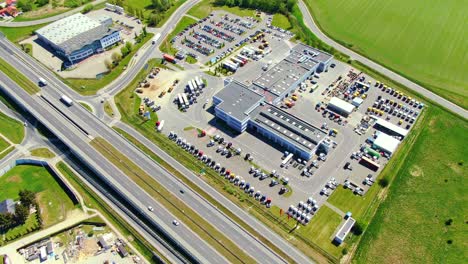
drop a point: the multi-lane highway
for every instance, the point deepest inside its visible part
(250, 244)
(79, 143)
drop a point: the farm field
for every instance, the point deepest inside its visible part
(52, 199)
(423, 217)
(426, 43)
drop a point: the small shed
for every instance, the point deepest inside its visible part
(357, 101)
(102, 242)
(122, 251)
(344, 230)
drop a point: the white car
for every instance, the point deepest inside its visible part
(150, 209)
(175, 222)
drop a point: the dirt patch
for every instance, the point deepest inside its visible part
(160, 83)
(458, 169)
(90, 247)
(14, 178)
(416, 171)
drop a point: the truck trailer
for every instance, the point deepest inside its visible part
(66, 100)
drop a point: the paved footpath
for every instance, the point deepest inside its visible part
(309, 21)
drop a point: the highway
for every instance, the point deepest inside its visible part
(79, 143)
(310, 23)
(55, 88)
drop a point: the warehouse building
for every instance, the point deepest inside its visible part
(340, 107)
(77, 37)
(244, 109)
(284, 78)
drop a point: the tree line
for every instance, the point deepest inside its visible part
(26, 202)
(269, 6)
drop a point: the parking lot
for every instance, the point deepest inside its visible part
(215, 37)
(351, 137)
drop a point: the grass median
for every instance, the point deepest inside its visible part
(189, 217)
(43, 153)
(19, 78)
(205, 195)
(92, 200)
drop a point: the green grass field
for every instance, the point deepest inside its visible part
(205, 7)
(428, 191)
(425, 42)
(91, 86)
(11, 128)
(87, 106)
(43, 153)
(53, 200)
(19, 33)
(145, 5)
(280, 20)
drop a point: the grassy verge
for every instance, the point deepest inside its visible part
(43, 153)
(198, 190)
(92, 200)
(19, 33)
(87, 106)
(205, 7)
(281, 21)
(11, 128)
(19, 78)
(166, 45)
(6, 152)
(190, 60)
(91, 86)
(3, 144)
(194, 221)
(108, 109)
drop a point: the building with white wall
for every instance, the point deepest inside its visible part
(77, 37)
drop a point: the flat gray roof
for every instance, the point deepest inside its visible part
(237, 99)
(280, 77)
(345, 228)
(313, 53)
(297, 131)
(74, 32)
(66, 28)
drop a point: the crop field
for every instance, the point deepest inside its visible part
(425, 42)
(423, 219)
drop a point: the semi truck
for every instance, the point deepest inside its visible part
(199, 82)
(66, 100)
(160, 126)
(287, 159)
(169, 58)
(186, 101)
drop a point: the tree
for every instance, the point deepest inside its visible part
(144, 31)
(108, 64)
(24, 5)
(21, 214)
(383, 182)
(42, 2)
(129, 46)
(124, 51)
(358, 228)
(153, 20)
(130, 10)
(55, 3)
(116, 57)
(87, 8)
(27, 198)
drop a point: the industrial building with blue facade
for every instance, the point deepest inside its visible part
(253, 107)
(77, 37)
